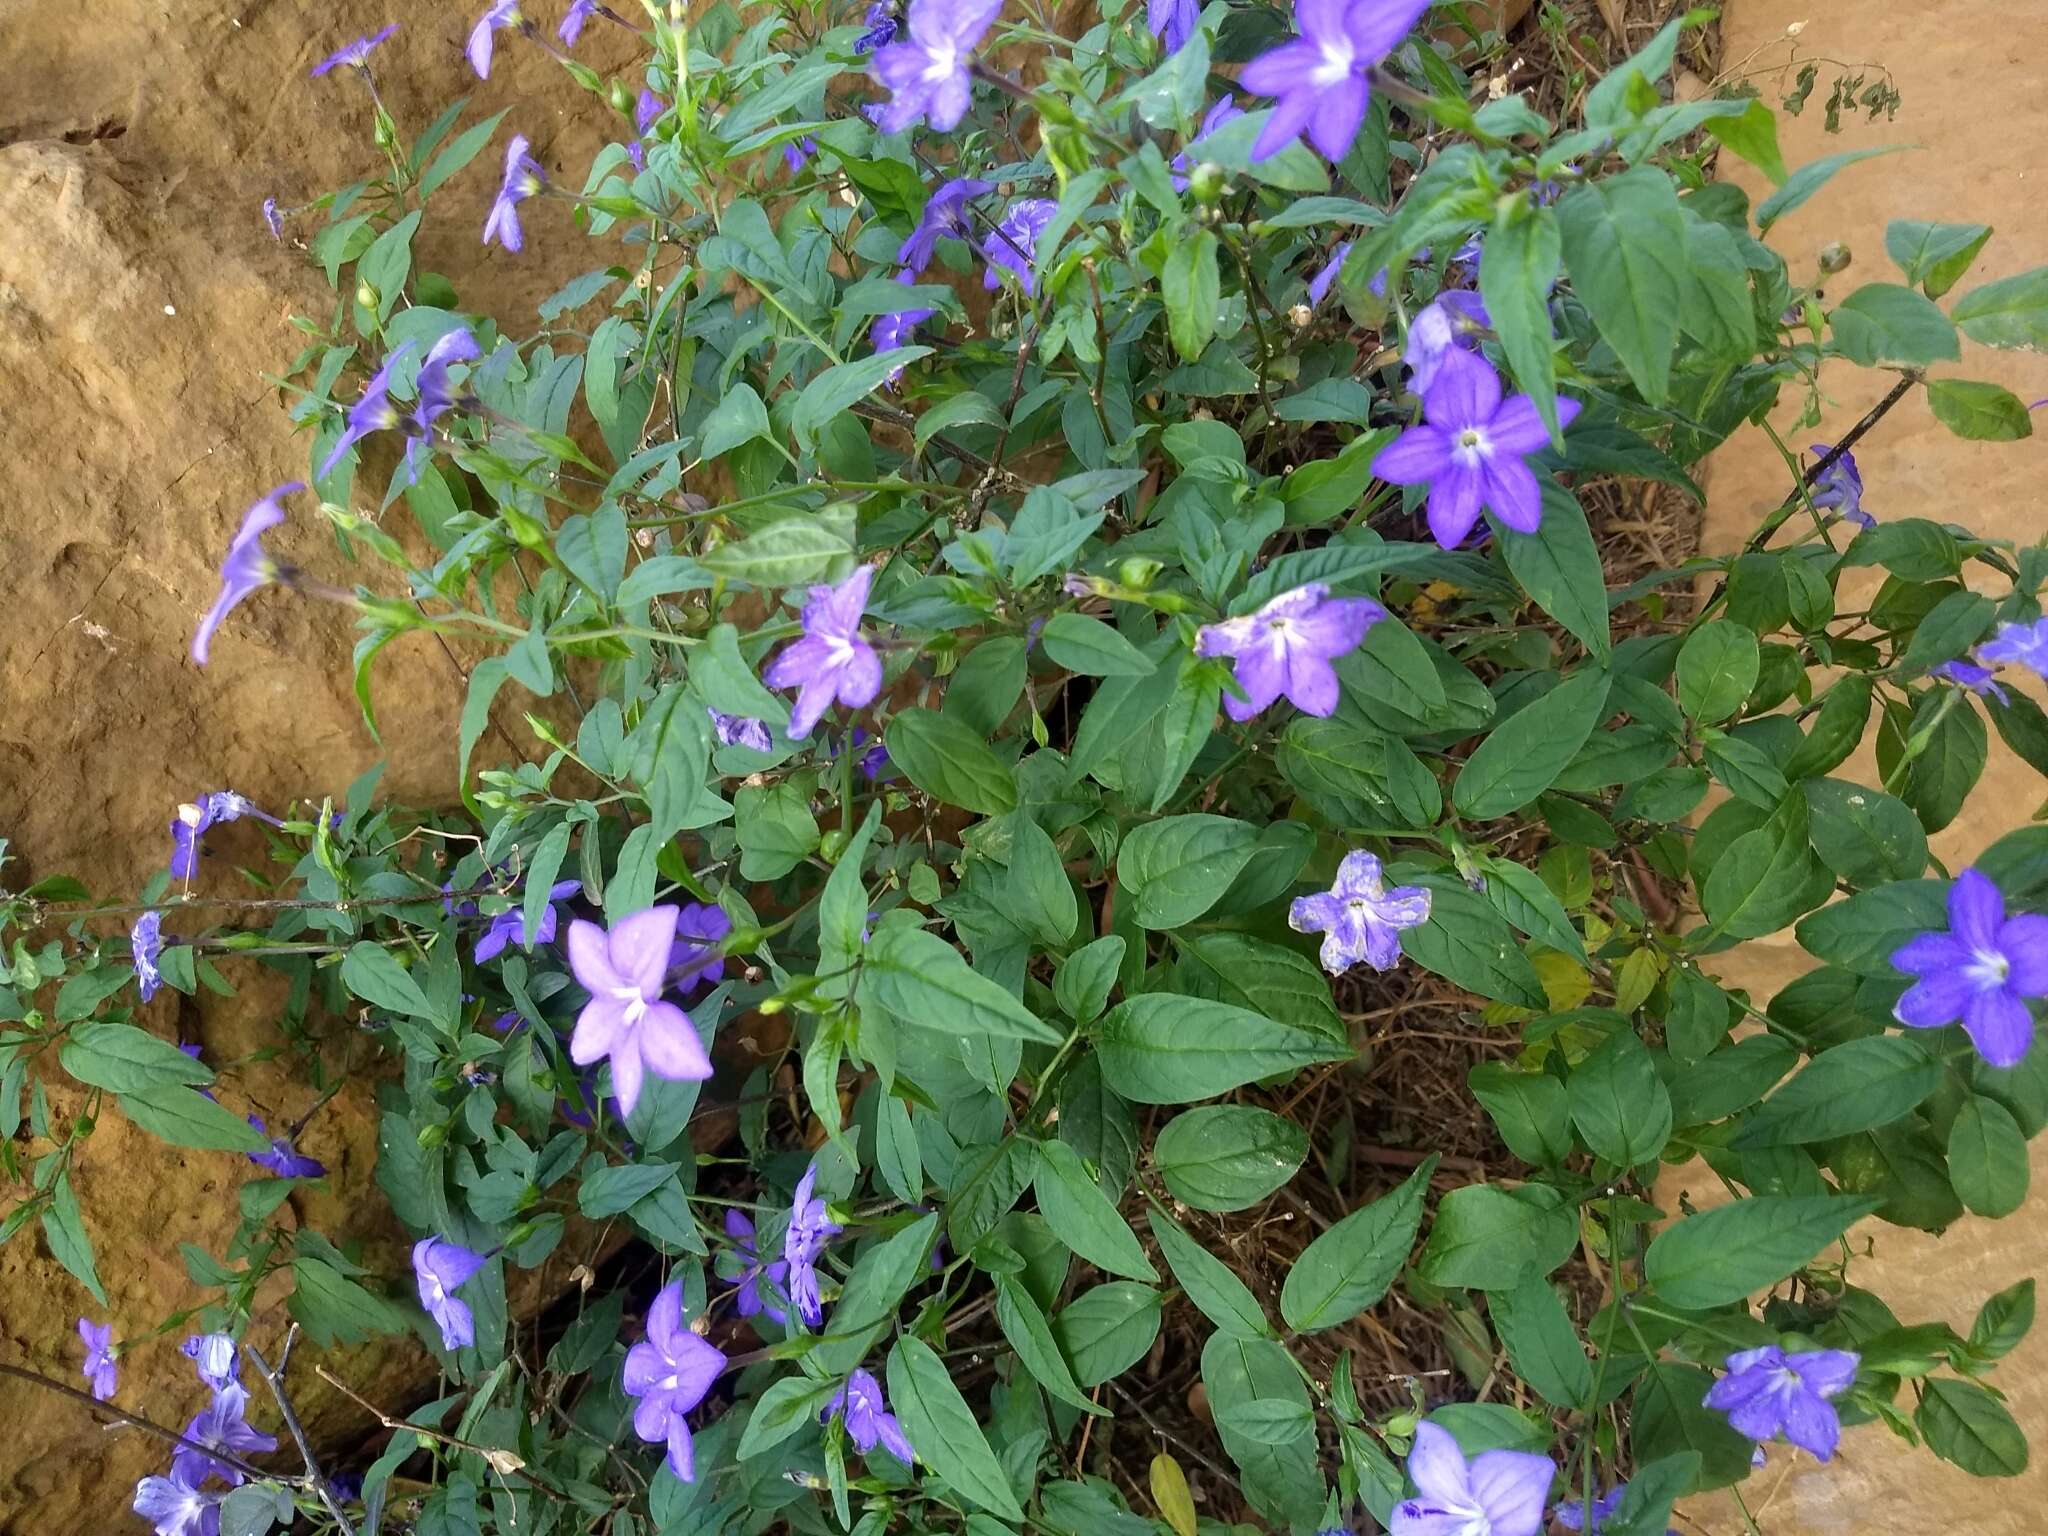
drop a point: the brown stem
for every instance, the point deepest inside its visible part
(315, 1478)
(118, 1416)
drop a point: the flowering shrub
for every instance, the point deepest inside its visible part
(994, 737)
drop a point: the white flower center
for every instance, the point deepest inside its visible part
(1335, 64)
(1470, 447)
(838, 650)
(944, 62)
(636, 1004)
(1988, 969)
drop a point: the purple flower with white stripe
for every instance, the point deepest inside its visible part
(1319, 80)
(573, 19)
(216, 1358)
(670, 1371)
(740, 731)
(898, 328)
(1359, 917)
(273, 220)
(1471, 449)
(2018, 645)
(1287, 647)
(222, 1426)
(869, 1423)
(833, 660)
(146, 947)
(1172, 21)
(1979, 973)
(374, 412)
(483, 36)
(1496, 1493)
(509, 927)
(945, 213)
(882, 27)
(1452, 320)
(803, 1244)
(102, 1373)
(1768, 1392)
(1013, 244)
(355, 55)
(176, 1508)
(626, 1020)
(247, 568)
(1225, 110)
(192, 820)
(758, 1289)
(523, 179)
(1840, 488)
(440, 1268)
(1578, 1515)
(928, 73)
(1971, 679)
(695, 956)
(283, 1160)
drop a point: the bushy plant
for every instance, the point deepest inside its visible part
(1037, 564)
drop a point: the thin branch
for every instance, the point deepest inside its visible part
(116, 1416)
(315, 1478)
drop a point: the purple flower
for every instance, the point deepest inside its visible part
(1840, 488)
(670, 1371)
(246, 567)
(1580, 1516)
(441, 1267)
(1453, 319)
(1359, 918)
(1173, 21)
(176, 1508)
(146, 944)
(436, 393)
(273, 220)
(882, 27)
(899, 327)
(928, 73)
(868, 1420)
(801, 1246)
(945, 213)
(833, 660)
(283, 1159)
(1470, 450)
(1319, 79)
(2021, 645)
(1496, 1493)
(798, 155)
(356, 55)
(523, 179)
(1013, 244)
(751, 1278)
(222, 1426)
(874, 760)
(1768, 1392)
(647, 110)
(695, 955)
(503, 13)
(626, 1019)
(1970, 678)
(1319, 285)
(510, 925)
(215, 1357)
(101, 1372)
(740, 731)
(1287, 647)
(1225, 110)
(573, 19)
(374, 412)
(1980, 973)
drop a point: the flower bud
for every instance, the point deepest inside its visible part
(621, 98)
(368, 296)
(1834, 256)
(1206, 182)
(432, 1136)
(833, 844)
(1300, 317)
(1137, 573)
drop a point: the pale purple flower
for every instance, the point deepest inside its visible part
(874, 760)
(1319, 286)
(101, 1372)
(1452, 320)
(1287, 646)
(1225, 110)
(523, 179)
(945, 213)
(833, 660)
(509, 927)
(283, 1160)
(192, 820)
(436, 393)
(928, 73)
(798, 154)
(273, 220)
(1577, 1515)
(695, 956)
(626, 1019)
(1359, 918)
(176, 1508)
(1471, 449)
(376, 411)
(758, 1289)
(1979, 973)
(1840, 488)
(146, 946)
(740, 731)
(216, 1358)
(2019, 645)
(579, 12)
(882, 27)
(483, 36)
(670, 1371)
(1174, 22)
(1013, 244)
(1465, 259)
(223, 1425)
(247, 567)
(1319, 79)
(898, 328)
(355, 55)
(1496, 1493)
(868, 1420)
(1768, 1392)
(802, 1244)
(440, 1267)
(647, 110)
(1971, 679)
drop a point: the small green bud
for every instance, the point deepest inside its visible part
(833, 844)
(432, 1136)
(368, 296)
(621, 98)
(1137, 573)
(386, 132)
(1834, 256)
(1206, 182)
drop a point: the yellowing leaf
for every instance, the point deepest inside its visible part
(1170, 1493)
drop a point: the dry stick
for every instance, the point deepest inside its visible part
(501, 1461)
(1166, 1434)
(119, 1416)
(274, 1379)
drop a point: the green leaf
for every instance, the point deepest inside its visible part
(1981, 412)
(947, 758)
(1987, 1158)
(839, 388)
(1521, 757)
(63, 1226)
(1719, 1257)
(1081, 1217)
(1856, 1086)
(1965, 1424)
(1887, 323)
(459, 153)
(923, 980)
(1934, 256)
(1670, 1420)
(1559, 567)
(1625, 247)
(1178, 867)
(2012, 312)
(1267, 1421)
(1860, 934)
(1024, 1325)
(1541, 1342)
(789, 1405)
(1468, 943)
(873, 1292)
(1281, 1482)
(1765, 878)
(785, 554)
(1192, 292)
(1085, 978)
(2003, 1321)
(1617, 1102)
(1210, 1283)
(186, 1118)
(1490, 1238)
(621, 1186)
(124, 1059)
(1809, 179)
(1225, 1157)
(1090, 647)
(1105, 1331)
(332, 1308)
(1529, 1109)
(1752, 134)
(1042, 899)
(1864, 835)
(937, 1420)
(1349, 1267)
(738, 418)
(1518, 267)
(1159, 1048)
(1717, 670)
(1249, 973)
